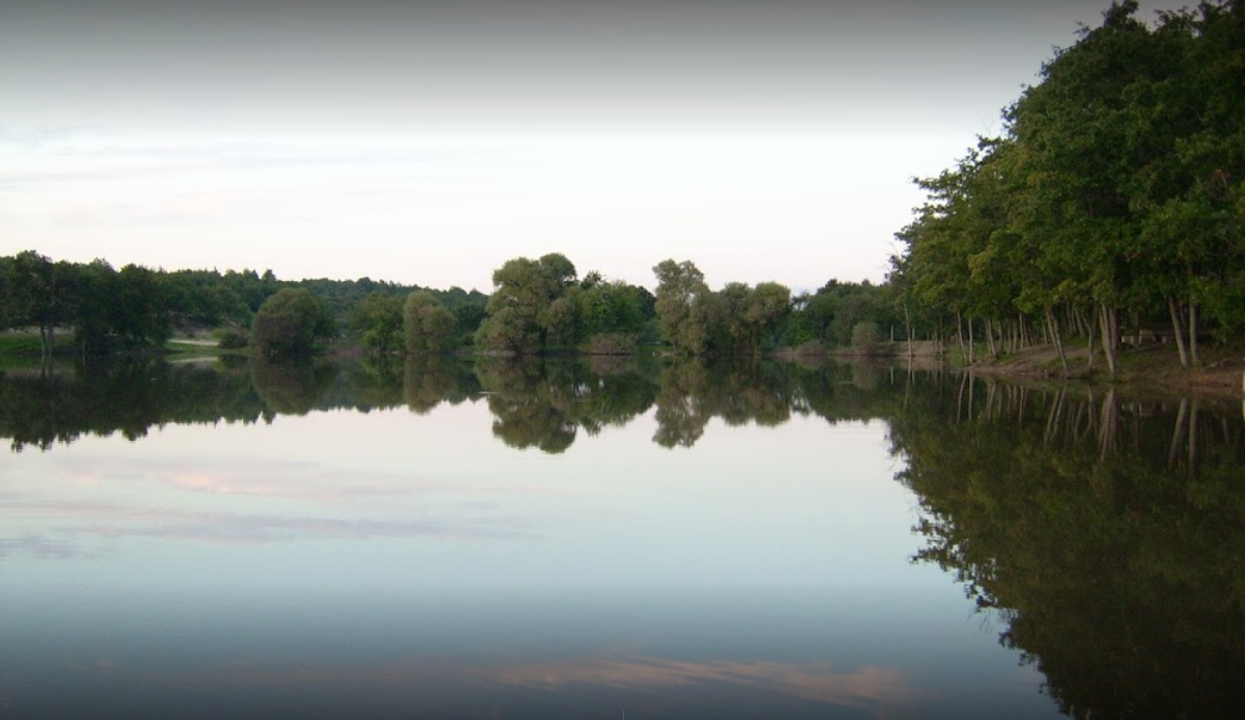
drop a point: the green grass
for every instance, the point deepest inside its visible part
(21, 351)
(20, 345)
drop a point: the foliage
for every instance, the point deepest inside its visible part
(140, 308)
(1116, 190)
(538, 306)
(428, 325)
(680, 305)
(377, 322)
(231, 339)
(290, 323)
(866, 338)
(1103, 534)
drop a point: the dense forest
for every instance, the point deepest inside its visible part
(1114, 202)
(1112, 207)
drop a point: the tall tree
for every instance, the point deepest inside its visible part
(519, 317)
(36, 295)
(680, 287)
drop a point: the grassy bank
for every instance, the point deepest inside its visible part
(1219, 373)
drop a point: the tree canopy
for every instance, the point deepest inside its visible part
(1116, 195)
(290, 323)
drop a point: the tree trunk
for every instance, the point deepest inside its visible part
(1092, 324)
(1053, 324)
(990, 339)
(1193, 358)
(1178, 330)
(1110, 336)
(907, 324)
(972, 347)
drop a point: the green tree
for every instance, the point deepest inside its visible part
(519, 318)
(378, 323)
(141, 313)
(290, 323)
(680, 288)
(94, 329)
(429, 326)
(766, 309)
(36, 295)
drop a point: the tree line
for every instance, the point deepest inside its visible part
(542, 306)
(1114, 200)
(536, 307)
(105, 310)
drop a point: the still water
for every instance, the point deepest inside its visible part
(613, 540)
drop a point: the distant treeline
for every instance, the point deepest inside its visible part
(537, 307)
(541, 306)
(108, 310)
(1114, 199)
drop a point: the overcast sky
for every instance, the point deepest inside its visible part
(428, 143)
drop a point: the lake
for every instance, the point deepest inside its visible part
(614, 539)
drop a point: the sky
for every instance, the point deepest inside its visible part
(428, 142)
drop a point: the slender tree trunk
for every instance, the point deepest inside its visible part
(990, 339)
(972, 347)
(907, 324)
(1193, 358)
(1178, 331)
(1082, 327)
(1092, 325)
(1109, 337)
(1053, 324)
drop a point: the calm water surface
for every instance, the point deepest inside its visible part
(579, 541)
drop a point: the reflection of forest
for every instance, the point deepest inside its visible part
(1108, 534)
(540, 404)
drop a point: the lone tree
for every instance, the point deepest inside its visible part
(289, 323)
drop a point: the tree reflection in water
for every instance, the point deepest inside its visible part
(1106, 531)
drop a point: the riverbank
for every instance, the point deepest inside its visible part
(1157, 365)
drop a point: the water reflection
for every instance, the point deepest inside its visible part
(535, 404)
(1102, 533)
(1106, 532)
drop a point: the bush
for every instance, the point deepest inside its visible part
(231, 339)
(866, 338)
